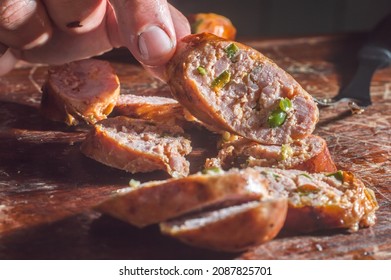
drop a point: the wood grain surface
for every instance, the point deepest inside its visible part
(48, 188)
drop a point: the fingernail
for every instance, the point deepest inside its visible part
(154, 44)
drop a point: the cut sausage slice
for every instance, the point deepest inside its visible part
(309, 154)
(212, 23)
(324, 200)
(81, 90)
(138, 146)
(232, 87)
(315, 202)
(156, 108)
(158, 201)
(234, 228)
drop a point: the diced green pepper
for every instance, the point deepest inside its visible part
(285, 104)
(231, 50)
(276, 118)
(201, 70)
(211, 170)
(337, 175)
(221, 80)
(305, 175)
(276, 176)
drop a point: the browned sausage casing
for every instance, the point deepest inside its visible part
(231, 229)
(251, 90)
(81, 90)
(309, 154)
(158, 201)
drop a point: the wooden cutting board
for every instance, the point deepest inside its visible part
(48, 188)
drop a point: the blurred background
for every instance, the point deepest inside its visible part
(276, 18)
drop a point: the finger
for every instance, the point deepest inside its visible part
(75, 46)
(76, 16)
(181, 24)
(23, 24)
(182, 29)
(64, 47)
(146, 28)
(7, 62)
(112, 27)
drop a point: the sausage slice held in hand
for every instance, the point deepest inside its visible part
(232, 87)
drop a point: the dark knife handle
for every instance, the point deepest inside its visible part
(378, 48)
(377, 55)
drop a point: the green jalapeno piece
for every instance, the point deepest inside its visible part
(211, 170)
(221, 80)
(201, 70)
(276, 177)
(305, 175)
(337, 175)
(285, 104)
(276, 118)
(231, 50)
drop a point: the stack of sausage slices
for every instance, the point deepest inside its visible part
(270, 171)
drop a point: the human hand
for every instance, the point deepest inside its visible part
(60, 31)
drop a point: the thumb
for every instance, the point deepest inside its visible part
(146, 29)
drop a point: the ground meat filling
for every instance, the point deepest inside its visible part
(125, 99)
(246, 153)
(250, 87)
(145, 139)
(335, 199)
(155, 140)
(139, 146)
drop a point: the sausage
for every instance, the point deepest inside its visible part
(138, 146)
(315, 201)
(309, 154)
(251, 205)
(230, 229)
(82, 90)
(232, 87)
(155, 108)
(212, 23)
(323, 200)
(158, 201)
